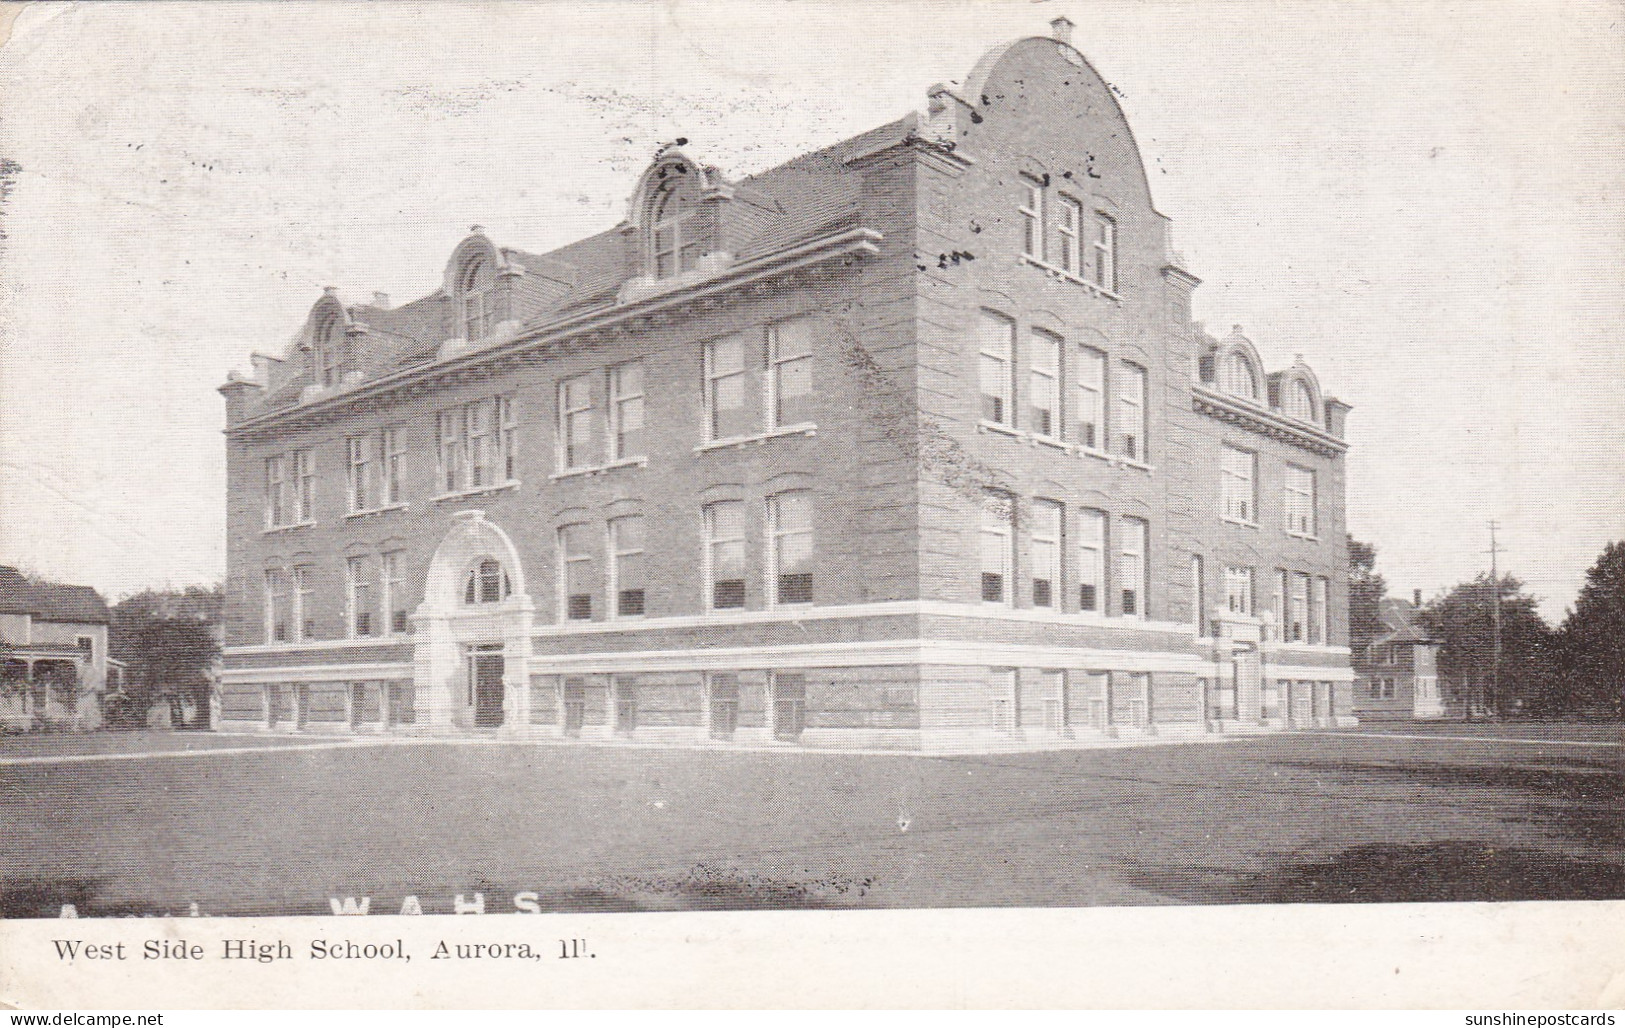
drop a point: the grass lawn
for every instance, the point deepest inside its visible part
(1315, 818)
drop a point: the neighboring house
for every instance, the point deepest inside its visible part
(1398, 671)
(910, 441)
(54, 668)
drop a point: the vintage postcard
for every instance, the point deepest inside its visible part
(917, 504)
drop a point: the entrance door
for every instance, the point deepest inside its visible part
(486, 669)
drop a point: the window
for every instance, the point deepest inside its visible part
(476, 444)
(1237, 484)
(1069, 229)
(329, 346)
(1299, 622)
(677, 244)
(1044, 383)
(1002, 692)
(276, 606)
(1198, 596)
(790, 384)
(790, 528)
(1299, 501)
(1131, 411)
(725, 555)
(1091, 398)
(1280, 606)
(789, 704)
(1300, 401)
(278, 499)
(87, 646)
(1236, 376)
(487, 582)
(725, 388)
(1104, 244)
(479, 445)
(575, 423)
(358, 598)
(1131, 566)
(626, 566)
(722, 691)
(394, 594)
(625, 688)
(304, 487)
(626, 411)
(360, 466)
(449, 431)
(394, 449)
(998, 559)
(1317, 613)
(1238, 589)
(1032, 218)
(507, 439)
(1046, 535)
(304, 626)
(575, 560)
(997, 369)
(1091, 560)
(476, 299)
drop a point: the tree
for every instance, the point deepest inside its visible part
(168, 640)
(1366, 590)
(1591, 643)
(1463, 620)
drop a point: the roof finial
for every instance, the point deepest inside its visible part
(476, 230)
(1060, 28)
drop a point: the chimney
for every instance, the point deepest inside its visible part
(1417, 597)
(380, 300)
(1061, 29)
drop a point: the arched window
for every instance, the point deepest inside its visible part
(1300, 401)
(1236, 376)
(476, 297)
(329, 340)
(676, 238)
(487, 583)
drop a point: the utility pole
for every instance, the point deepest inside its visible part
(1495, 621)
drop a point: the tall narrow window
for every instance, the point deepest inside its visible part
(1091, 561)
(278, 504)
(1069, 229)
(1044, 385)
(487, 582)
(1317, 613)
(575, 423)
(575, 560)
(329, 343)
(1282, 630)
(1131, 566)
(790, 526)
(358, 599)
(1238, 589)
(507, 440)
(725, 555)
(1131, 412)
(1299, 501)
(1091, 398)
(676, 243)
(626, 565)
(359, 463)
(1238, 488)
(449, 441)
(276, 606)
(478, 314)
(1104, 245)
(998, 552)
(393, 587)
(1198, 596)
(304, 486)
(1046, 541)
(725, 380)
(1300, 402)
(626, 411)
(1032, 217)
(304, 624)
(481, 472)
(997, 374)
(1299, 623)
(393, 442)
(1236, 376)
(790, 384)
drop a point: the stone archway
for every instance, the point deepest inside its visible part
(449, 632)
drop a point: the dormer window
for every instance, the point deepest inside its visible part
(1236, 376)
(326, 358)
(676, 237)
(477, 298)
(487, 582)
(1300, 401)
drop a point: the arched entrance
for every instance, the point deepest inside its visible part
(471, 644)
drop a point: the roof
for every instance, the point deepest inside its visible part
(1401, 619)
(79, 604)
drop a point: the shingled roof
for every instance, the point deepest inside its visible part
(79, 604)
(1400, 618)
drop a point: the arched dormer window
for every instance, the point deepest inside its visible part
(477, 298)
(327, 355)
(1300, 401)
(487, 582)
(675, 239)
(1237, 375)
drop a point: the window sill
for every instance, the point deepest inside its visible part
(375, 511)
(1306, 537)
(599, 469)
(274, 529)
(1056, 271)
(993, 426)
(1238, 522)
(1035, 439)
(463, 494)
(735, 442)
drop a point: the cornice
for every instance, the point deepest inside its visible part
(1226, 408)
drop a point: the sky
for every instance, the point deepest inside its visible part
(1424, 199)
